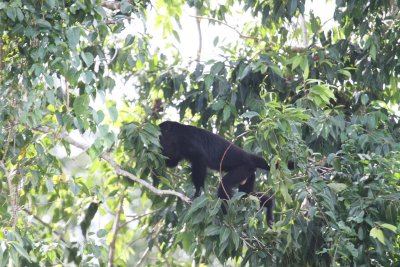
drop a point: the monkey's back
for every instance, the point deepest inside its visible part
(218, 152)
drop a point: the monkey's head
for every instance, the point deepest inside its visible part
(168, 139)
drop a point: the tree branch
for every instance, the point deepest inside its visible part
(11, 188)
(200, 34)
(118, 169)
(13, 196)
(1, 58)
(227, 25)
(304, 30)
(115, 229)
(112, 5)
(147, 251)
(48, 226)
(298, 49)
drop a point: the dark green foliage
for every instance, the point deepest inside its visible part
(331, 106)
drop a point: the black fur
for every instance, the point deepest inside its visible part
(268, 203)
(204, 149)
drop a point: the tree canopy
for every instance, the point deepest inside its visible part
(84, 85)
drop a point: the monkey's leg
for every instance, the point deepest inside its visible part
(268, 203)
(199, 172)
(248, 185)
(172, 162)
(232, 179)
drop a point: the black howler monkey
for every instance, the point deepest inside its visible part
(204, 149)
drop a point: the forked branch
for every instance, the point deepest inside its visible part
(118, 169)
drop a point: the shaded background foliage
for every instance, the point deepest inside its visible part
(329, 102)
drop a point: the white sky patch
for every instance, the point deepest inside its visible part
(189, 39)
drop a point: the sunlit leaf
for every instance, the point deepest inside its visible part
(378, 234)
(390, 227)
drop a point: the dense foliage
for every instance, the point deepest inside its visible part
(82, 180)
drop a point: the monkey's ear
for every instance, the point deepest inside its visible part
(166, 126)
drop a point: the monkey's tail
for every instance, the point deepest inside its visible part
(260, 162)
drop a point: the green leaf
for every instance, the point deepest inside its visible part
(75, 189)
(208, 81)
(11, 13)
(98, 116)
(82, 185)
(198, 203)
(21, 251)
(364, 99)
(337, 187)
(73, 35)
(243, 72)
(291, 6)
(81, 104)
(187, 240)
(345, 73)
(87, 58)
(129, 39)
(51, 3)
(224, 234)
(285, 193)
(101, 11)
(49, 185)
(321, 94)
(212, 230)
(216, 68)
(226, 112)
(216, 40)
(236, 239)
(250, 114)
(306, 72)
(378, 234)
(88, 77)
(390, 227)
(102, 233)
(113, 112)
(43, 23)
(277, 70)
(20, 15)
(218, 105)
(372, 51)
(297, 60)
(126, 7)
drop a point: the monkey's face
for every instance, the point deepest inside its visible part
(166, 146)
(167, 140)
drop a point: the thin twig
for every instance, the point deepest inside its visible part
(220, 169)
(222, 159)
(137, 217)
(147, 251)
(144, 256)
